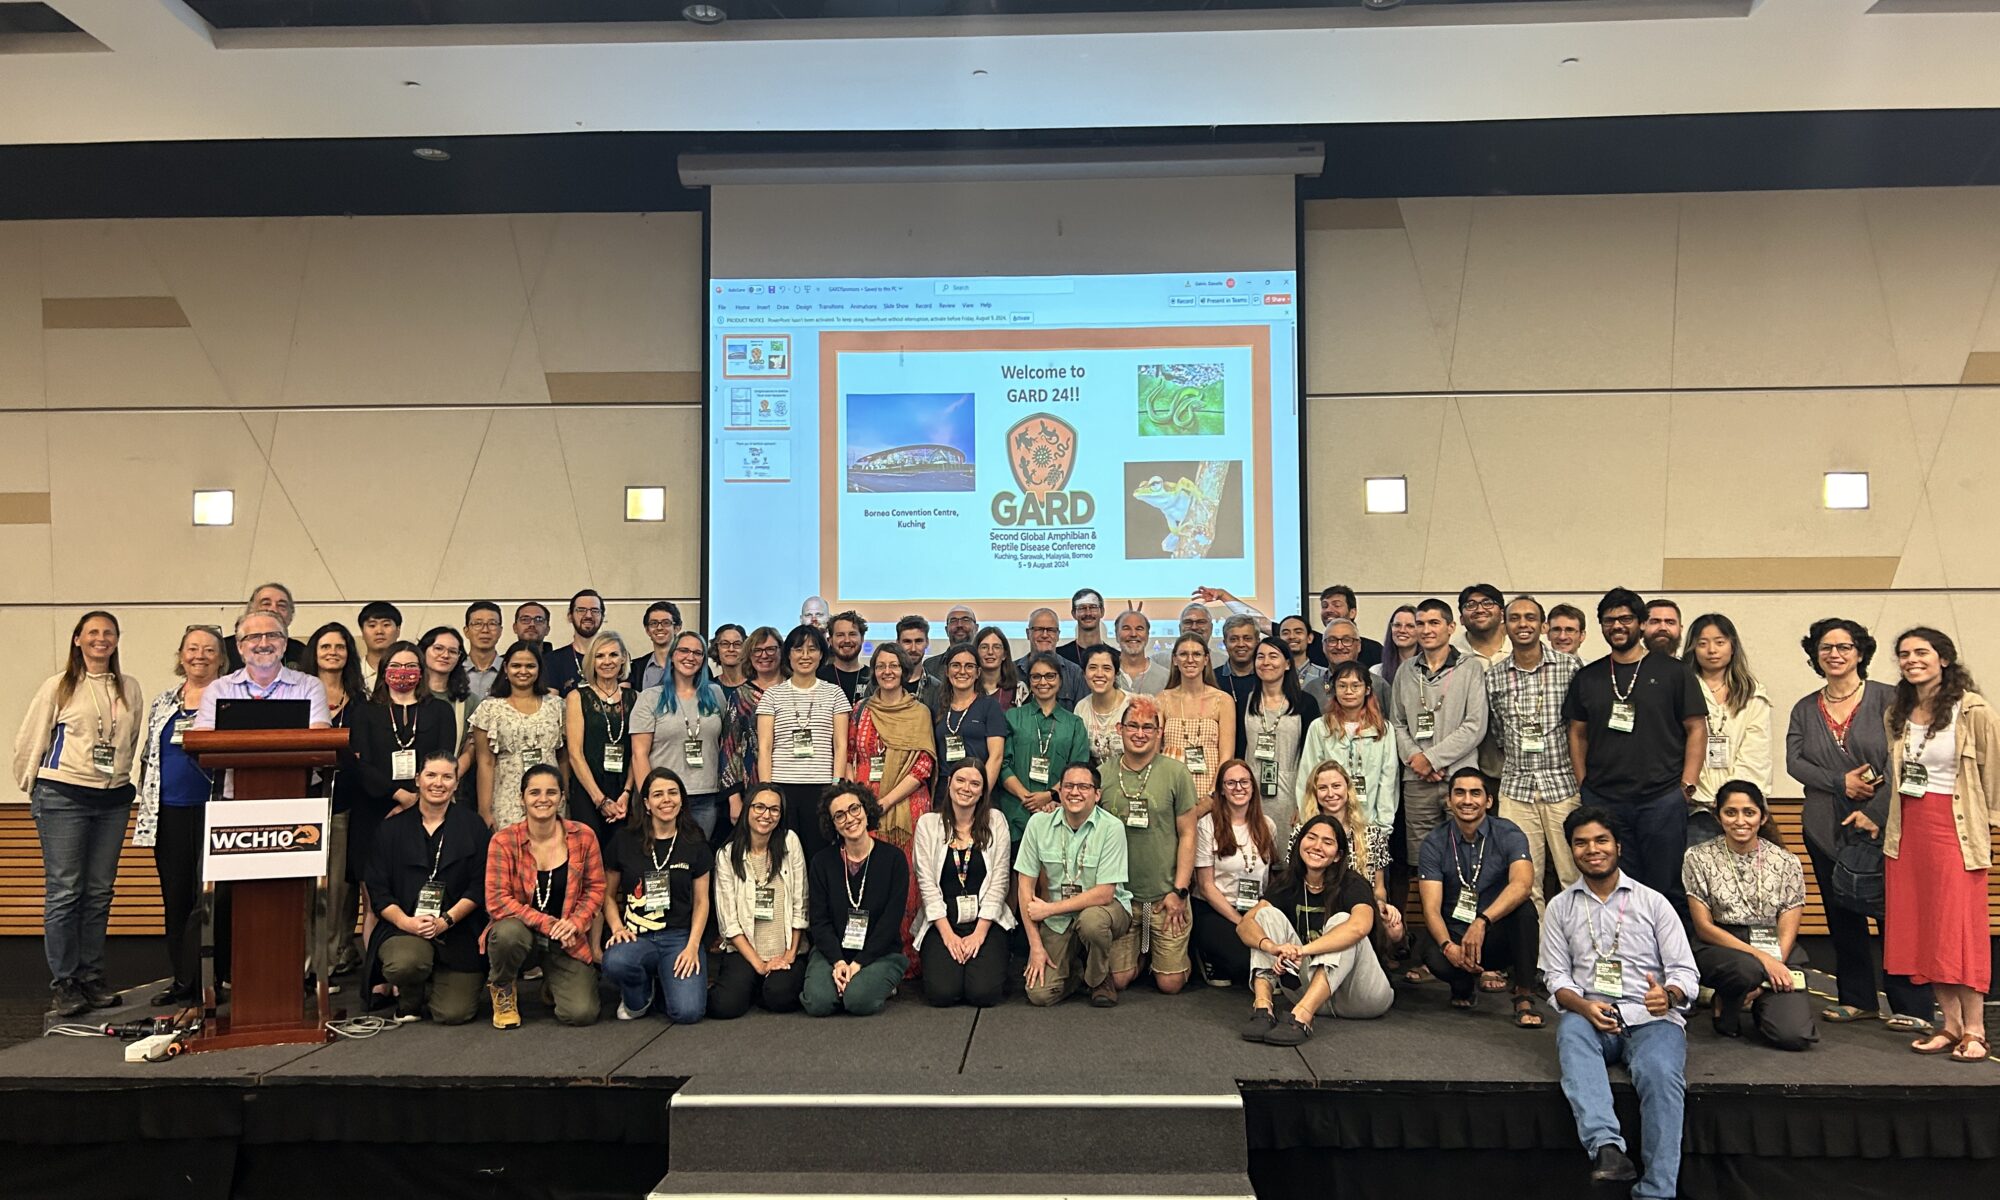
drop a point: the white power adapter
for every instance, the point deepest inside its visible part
(149, 1049)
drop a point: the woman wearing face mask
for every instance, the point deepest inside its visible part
(173, 790)
(74, 756)
(682, 725)
(544, 887)
(1199, 717)
(1272, 732)
(1354, 734)
(760, 906)
(404, 725)
(597, 723)
(659, 878)
(1332, 792)
(802, 729)
(522, 727)
(426, 878)
(1739, 717)
(1234, 847)
(1105, 706)
(1746, 892)
(962, 857)
(1315, 922)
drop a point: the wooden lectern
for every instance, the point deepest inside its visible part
(270, 916)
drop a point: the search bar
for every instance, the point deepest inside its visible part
(1005, 287)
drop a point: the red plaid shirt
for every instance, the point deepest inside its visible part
(510, 883)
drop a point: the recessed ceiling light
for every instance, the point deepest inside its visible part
(706, 14)
(216, 507)
(1386, 494)
(645, 504)
(432, 154)
(1845, 489)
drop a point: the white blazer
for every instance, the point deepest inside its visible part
(927, 848)
(736, 899)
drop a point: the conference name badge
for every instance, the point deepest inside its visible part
(764, 903)
(614, 758)
(875, 768)
(1718, 752)
(855, 935)
(181, 726)
(802, 743)
(1467, 907)
(430, 900)
(659, 893)
(1136, 816)
(691, 753)
(1607, 978)
(1038, 770)
(403, 764)
(966, 910)
(1427, 726)
(1916, 778)
(1196, 760)
(1248, 892)
(1267, 747)
(954, 747)
(1764, 938)
(1624, 716)
(1532, 741)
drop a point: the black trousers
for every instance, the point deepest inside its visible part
(1216, 941)
(802, 815)
(1512, 944)
(177, 858)
(977, 982)
(735, 987)
(1854, 954)
(1784, 1018)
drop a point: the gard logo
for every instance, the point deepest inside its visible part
(1041, 452)
(263, 839)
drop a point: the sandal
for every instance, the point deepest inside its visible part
(1492, 981)
(1923, 1045)
(1903, 1024)
(1959, 1054)
(1418, 975)
(1465, 1004)
(1841, 1014)
(1526, 1016)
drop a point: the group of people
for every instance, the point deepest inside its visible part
(784, 821)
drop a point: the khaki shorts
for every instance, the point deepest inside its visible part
(1169, 950)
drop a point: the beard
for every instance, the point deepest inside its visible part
(1662, 643)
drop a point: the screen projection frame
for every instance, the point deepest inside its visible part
(1280, 607)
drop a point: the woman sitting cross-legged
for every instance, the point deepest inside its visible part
(659, 874)
(1310, 938)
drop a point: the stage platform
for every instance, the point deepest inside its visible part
(1156, 1097)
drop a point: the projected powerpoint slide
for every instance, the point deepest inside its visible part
(1112, 455)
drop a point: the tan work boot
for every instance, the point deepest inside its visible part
(506, 1011)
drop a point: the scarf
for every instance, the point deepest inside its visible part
(904, 730)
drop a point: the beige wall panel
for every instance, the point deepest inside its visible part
(1779, 289)
(1542, 460)
(533, 233)
(365, 279)
(1986, 341)
(26, 573)
(1349, 441)
(122, 495)
(1568, 292)
(1929, 413)
(1461, 542)
(239, 283)
(129, 368)
(526, 381)
(1965, 490)
(1368, 328)
(1792, 439)
(37, 636)
(21, 383)
(622, 292)
(98, 258)
(1439, 230)
(1938, 252)
(517, 531)
(283, 549)
(1922, 564)
(607, 449)
(377, 541)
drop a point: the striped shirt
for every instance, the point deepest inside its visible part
(1524, 704)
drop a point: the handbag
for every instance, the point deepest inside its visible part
(1857, 884)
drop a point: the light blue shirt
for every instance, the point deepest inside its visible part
(1579, 928)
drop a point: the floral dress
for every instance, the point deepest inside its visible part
(519, 741)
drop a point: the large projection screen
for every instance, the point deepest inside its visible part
(998, 393)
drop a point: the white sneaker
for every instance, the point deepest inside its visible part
(407, 1018)
(626, 1014)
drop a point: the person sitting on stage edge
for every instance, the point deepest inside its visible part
(1617, 962)
(858, 896)
(760, 909)
(544, 885)
(659, 872)
(961, 853)
(1070, 876)
(1234, 847)
(1475, 876)
(1312, 936)
(1746, 893)
(1154, 795)
(426, 877)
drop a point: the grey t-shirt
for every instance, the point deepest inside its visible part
(671, 731)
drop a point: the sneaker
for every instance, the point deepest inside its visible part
(1261, 1022)
(1288, 1031)
(1611, 1166)
(98, 995)
(407, 1018)
(532, 973)
(626, 1014)
(68, 1000)
(506, 1010)
(1104, 995)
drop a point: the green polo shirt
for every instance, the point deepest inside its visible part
(1067, 741)
(1086, 856)
(1169, 791)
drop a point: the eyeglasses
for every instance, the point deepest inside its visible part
(1825, 647)
(1086, 608)
(660, 623)
(251, 639)
(1135, 728)
(765, 810)
(1343, 641)
(1080, 786)
(727, 643)
(1048, 629)
(690, 651)
(488, 624)
(854, 813)
(214, 629)
(1236, 785)
(1618, 620)
(532, 620)
(1478, 605)
(1044, 677)
(762, 651)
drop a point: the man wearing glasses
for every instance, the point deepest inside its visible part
(1086, 607)
(1343, 643)
(1479, 609)
(562, 669)
(1070, 874)
(482, 647)
(271, 598)
(1043, 630)
(663, 625)
(1043, 737)
(1638, 735)
(264, 676)
(1154, 796)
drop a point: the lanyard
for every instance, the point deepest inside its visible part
(439, 857)
(250, 686)
(1144, 775)
(610, 709)
(855, 894)
(671, 842)
(1425, 683)
(1617, 928)
(1748, 878)
(1611, 664)
(396, 726)
(1044, 736)
(545, 886)
(1073, 853)
(961, 862)
(97, 703)
(1478, 864)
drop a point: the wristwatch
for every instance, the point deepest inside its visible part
(1181, 892)
(446, 918)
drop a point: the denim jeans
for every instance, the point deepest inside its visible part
(1656, 1056)
(80, 844)
(703, 809)
(638, 965)
(1652, 839)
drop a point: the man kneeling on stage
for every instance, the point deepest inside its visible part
(1617, 960)
(1475, 875)
(1070, 874)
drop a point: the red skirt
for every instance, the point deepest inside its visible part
(1934, 924)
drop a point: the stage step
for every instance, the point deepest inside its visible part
(726, 1139)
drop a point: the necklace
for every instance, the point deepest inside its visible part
(1826, 694)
